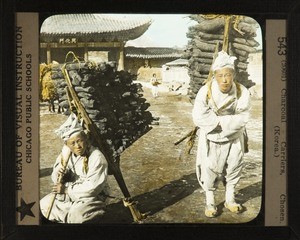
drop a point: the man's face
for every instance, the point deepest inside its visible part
(224, 78)
(77, 144)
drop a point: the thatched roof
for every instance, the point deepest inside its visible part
(93, 27)
(150, 53)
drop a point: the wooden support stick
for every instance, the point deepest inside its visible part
(59, 180)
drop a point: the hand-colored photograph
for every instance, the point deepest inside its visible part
(150, 118)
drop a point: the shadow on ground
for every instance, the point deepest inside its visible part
(154, 201)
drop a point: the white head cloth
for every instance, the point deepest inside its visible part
(223, 60)
(69, 127)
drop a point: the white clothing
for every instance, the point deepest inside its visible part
(154, 82)
(155, 91)
(221, 118)
(223, 60)
(71, 126)
(86, 191)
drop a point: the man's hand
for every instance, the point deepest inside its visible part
(62, 172)
(59, 188)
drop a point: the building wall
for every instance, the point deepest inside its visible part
(132, 65)
(97, 54)
(255, 71)
(59, 54)
(176, 78)
(178, 74)
(145, 68)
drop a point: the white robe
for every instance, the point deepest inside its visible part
(85, 198)
(154, 88)
(221, 143)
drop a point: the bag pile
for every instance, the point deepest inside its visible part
(204, 37)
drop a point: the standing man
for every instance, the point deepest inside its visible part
(80, 179)
(221, 111)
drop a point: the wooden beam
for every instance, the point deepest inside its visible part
(82, 44)
(48, 55)
(121, 58)
(86, 55)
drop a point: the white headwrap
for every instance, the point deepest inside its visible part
(223, 60)
(69, 127)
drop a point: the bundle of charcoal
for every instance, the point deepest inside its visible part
(112, 101)
(209, 32)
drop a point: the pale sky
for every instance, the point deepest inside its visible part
(167, 30)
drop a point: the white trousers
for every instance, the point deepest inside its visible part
(216, 160)
(66, 211)
(155, 91)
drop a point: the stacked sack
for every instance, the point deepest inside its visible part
(111, 99)
(206, 34)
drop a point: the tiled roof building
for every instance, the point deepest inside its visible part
(103, 37)
(89, 32)
(95, 27)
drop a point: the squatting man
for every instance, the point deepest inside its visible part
(80, 195)
(221, 111)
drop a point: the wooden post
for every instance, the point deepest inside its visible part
(121, 57)
(48, 54)
(86, 53)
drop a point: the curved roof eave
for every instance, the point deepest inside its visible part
(153, 56)
(154, 52)
(95, 25)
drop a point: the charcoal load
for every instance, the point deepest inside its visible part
(212, 33)
(113, 102)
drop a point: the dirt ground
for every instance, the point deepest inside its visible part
(158, 174)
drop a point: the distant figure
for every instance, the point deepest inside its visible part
(221, 111)
(47, 87)
(154, 82)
